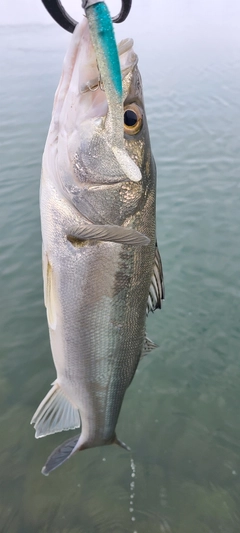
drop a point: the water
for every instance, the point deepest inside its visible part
(181, 414)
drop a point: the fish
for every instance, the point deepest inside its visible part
(102, 270)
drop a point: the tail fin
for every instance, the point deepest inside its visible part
(60, 455)
(121, 444)
(55, 413)
(68, 448)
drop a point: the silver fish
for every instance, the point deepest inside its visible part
(101, 266)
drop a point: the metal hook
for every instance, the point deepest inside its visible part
(124, 12)
(60, 15)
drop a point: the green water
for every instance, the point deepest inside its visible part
(181, 415)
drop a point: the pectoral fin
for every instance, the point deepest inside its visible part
(50, 299)
(118, 234)
(55, 413)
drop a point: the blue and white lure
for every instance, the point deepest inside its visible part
(104, 43)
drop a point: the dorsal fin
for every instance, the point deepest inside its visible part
(156, 290)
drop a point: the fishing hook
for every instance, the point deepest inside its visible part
(60, 15)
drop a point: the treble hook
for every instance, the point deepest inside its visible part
(60, 15)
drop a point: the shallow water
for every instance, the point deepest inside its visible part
(181, 414)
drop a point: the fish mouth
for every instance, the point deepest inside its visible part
(80, 95)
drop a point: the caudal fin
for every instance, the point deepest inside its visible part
(121, 444)
(60, 455)
(55, 413)
(68, 448)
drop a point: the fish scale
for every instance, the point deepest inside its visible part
(99, 253)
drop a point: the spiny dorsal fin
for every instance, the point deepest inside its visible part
(156, 290)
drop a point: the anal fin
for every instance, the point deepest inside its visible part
(148, 346)
(55, 413)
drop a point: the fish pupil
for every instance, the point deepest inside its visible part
(130, 118)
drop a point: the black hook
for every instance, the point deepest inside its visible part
(59, 14)
(124, 12)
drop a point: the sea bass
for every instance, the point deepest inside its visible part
(101, 266)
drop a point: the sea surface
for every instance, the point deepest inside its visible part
(181, 414)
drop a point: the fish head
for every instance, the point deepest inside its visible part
(104, 169)
(82, 126)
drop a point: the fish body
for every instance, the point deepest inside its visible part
(101, 267)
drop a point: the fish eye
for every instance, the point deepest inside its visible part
(132, 119)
